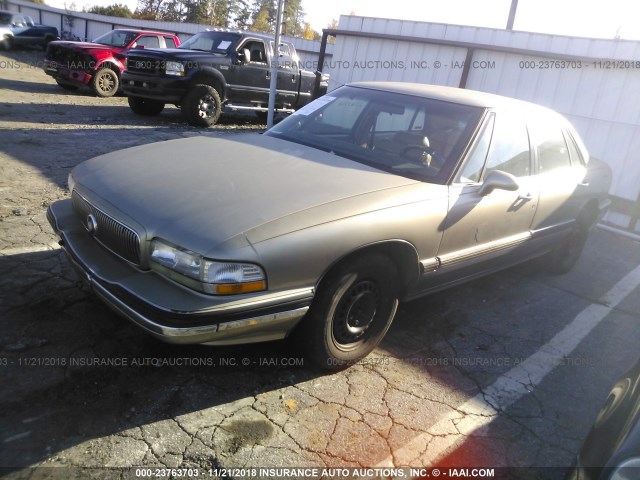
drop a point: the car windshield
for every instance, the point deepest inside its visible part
(5, 18)
(412, 136)
(116, 38)
(215, 42)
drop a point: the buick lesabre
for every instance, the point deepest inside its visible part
(372, 194)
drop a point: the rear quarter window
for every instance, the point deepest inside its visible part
(551, 149)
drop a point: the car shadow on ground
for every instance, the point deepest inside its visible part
(78, 371)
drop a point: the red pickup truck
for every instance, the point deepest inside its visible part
(99, 64)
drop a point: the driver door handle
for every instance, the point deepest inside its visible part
(525, 197)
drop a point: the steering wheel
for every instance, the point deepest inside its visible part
(424, 155)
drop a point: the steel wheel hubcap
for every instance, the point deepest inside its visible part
(355, 313)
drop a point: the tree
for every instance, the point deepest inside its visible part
(309, 33)
(115, 10)
(333, 25)
(242, 14)
(149, 10)
(261, 22)
(69, 19)
(292, 18)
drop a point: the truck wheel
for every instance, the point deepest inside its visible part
(201, 106)
(48, 39)
(7, 42)
(105, 82)
(66, 86)
(145, 106)
(262, 116)
(352, 311)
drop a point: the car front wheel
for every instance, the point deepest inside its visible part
(202, 106)
(145, 106)
(352, 311)
(105, 82)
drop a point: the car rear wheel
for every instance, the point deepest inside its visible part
(566, 254)
(105, 82)
(202, 106)
(145, 106)
(66, 86)
(352, 311)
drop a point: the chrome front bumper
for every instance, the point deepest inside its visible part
(169, 311)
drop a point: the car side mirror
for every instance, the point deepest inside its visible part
(498, 180)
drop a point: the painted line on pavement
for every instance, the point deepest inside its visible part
(481, 410)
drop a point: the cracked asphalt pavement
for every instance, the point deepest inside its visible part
(86, 391)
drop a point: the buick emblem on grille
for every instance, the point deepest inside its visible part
(92, 224)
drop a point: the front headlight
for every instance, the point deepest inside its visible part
(174, 68)
(217, 278)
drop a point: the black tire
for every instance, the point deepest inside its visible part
(7, 42)
(262, 116)
(352, 311)
(201, 107)
(67, 86)
(566, 254)
(145, 106)
(105, 83)
(46, 42)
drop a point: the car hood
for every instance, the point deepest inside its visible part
(177, 54)
(202, 191)
(84, 46)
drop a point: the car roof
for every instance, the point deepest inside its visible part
(136, 30)
(246, 33)
(456, 95)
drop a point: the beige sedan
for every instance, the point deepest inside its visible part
(373, 194)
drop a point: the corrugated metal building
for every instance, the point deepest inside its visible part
(594, 82)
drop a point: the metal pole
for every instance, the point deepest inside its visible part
(512, 14)
(275, 60)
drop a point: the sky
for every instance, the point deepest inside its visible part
(581, 18)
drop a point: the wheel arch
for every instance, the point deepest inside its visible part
(589, 213)
(109, 63)
(401, 252)
(213, 78)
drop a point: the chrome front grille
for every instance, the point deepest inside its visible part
(140, 64)
(115, 236)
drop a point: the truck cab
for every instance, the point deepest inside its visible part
(213, 70)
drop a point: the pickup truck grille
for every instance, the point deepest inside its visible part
(147, 65)
(112, 234)
(68, 58)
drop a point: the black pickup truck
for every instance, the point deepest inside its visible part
(214, 70)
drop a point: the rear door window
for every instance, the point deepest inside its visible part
(148, 41)
(551, 148)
